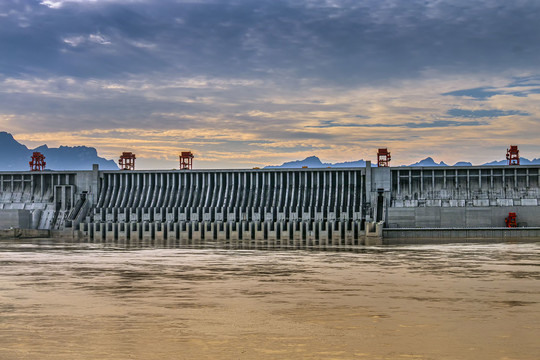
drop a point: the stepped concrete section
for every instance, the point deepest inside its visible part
(274, 208)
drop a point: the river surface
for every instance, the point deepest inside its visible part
(87, 301)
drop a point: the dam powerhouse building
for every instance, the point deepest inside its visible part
(297, 208)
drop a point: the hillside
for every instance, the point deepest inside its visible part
(315, 162)
(15, 156)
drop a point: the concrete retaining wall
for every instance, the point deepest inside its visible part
(19, 219)
(457, 217)
(24, 234)
(453, 235)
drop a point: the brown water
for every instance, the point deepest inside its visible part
(80, 301)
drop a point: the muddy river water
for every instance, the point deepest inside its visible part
(85, 301)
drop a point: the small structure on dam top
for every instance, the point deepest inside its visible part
(186, 160)
(512, 155)
(38, 162)
(511, 220)
(127, 161)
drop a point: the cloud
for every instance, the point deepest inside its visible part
(523, 90)
(411, 125)
(484, 113)
(444, 124)
(159, 116)
(98, 39)
(74, 40)
(53, 4)
(477, 93)
(341, 42)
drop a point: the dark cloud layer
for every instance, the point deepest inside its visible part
(342, 41)
(477, 93)
(415, 125)
(484, 113)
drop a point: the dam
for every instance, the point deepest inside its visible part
(283, 208)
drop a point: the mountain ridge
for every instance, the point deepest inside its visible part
(15, 156)
(314, 162)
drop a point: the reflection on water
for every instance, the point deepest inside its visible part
(85, 301)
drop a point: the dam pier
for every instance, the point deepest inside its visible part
(275, 208)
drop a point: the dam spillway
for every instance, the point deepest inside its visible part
(298, 208)
(285, 207)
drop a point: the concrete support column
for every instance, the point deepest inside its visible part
(197, 232)
(336, 234)
(260, 241)
(444, 177)
(99, 232)
(349, 233)
(270, 234)
(123, 233)
(148, 233)
(421, 182)
(310, 234)
(410, 182)
(296, 228)
(234, 233)
(183, 232)
(111, 232)
(285, 234)
(480, 178)
(172, 233)
(160, 233)
(247, 235)
(220, 231)
(323, 234)
(135, 234)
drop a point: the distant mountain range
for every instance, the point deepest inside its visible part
(15, 156)
(315, 162)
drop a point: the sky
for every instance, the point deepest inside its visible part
(246, 83)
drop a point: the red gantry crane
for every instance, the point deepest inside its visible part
(383, 157)
(512, 155)
(511, 220)
(127, 161)
(186, 160)
(38, 162)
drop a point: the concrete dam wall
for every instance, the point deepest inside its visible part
(39, 200)
(287, 206)
(274, 207)
(463, 197)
